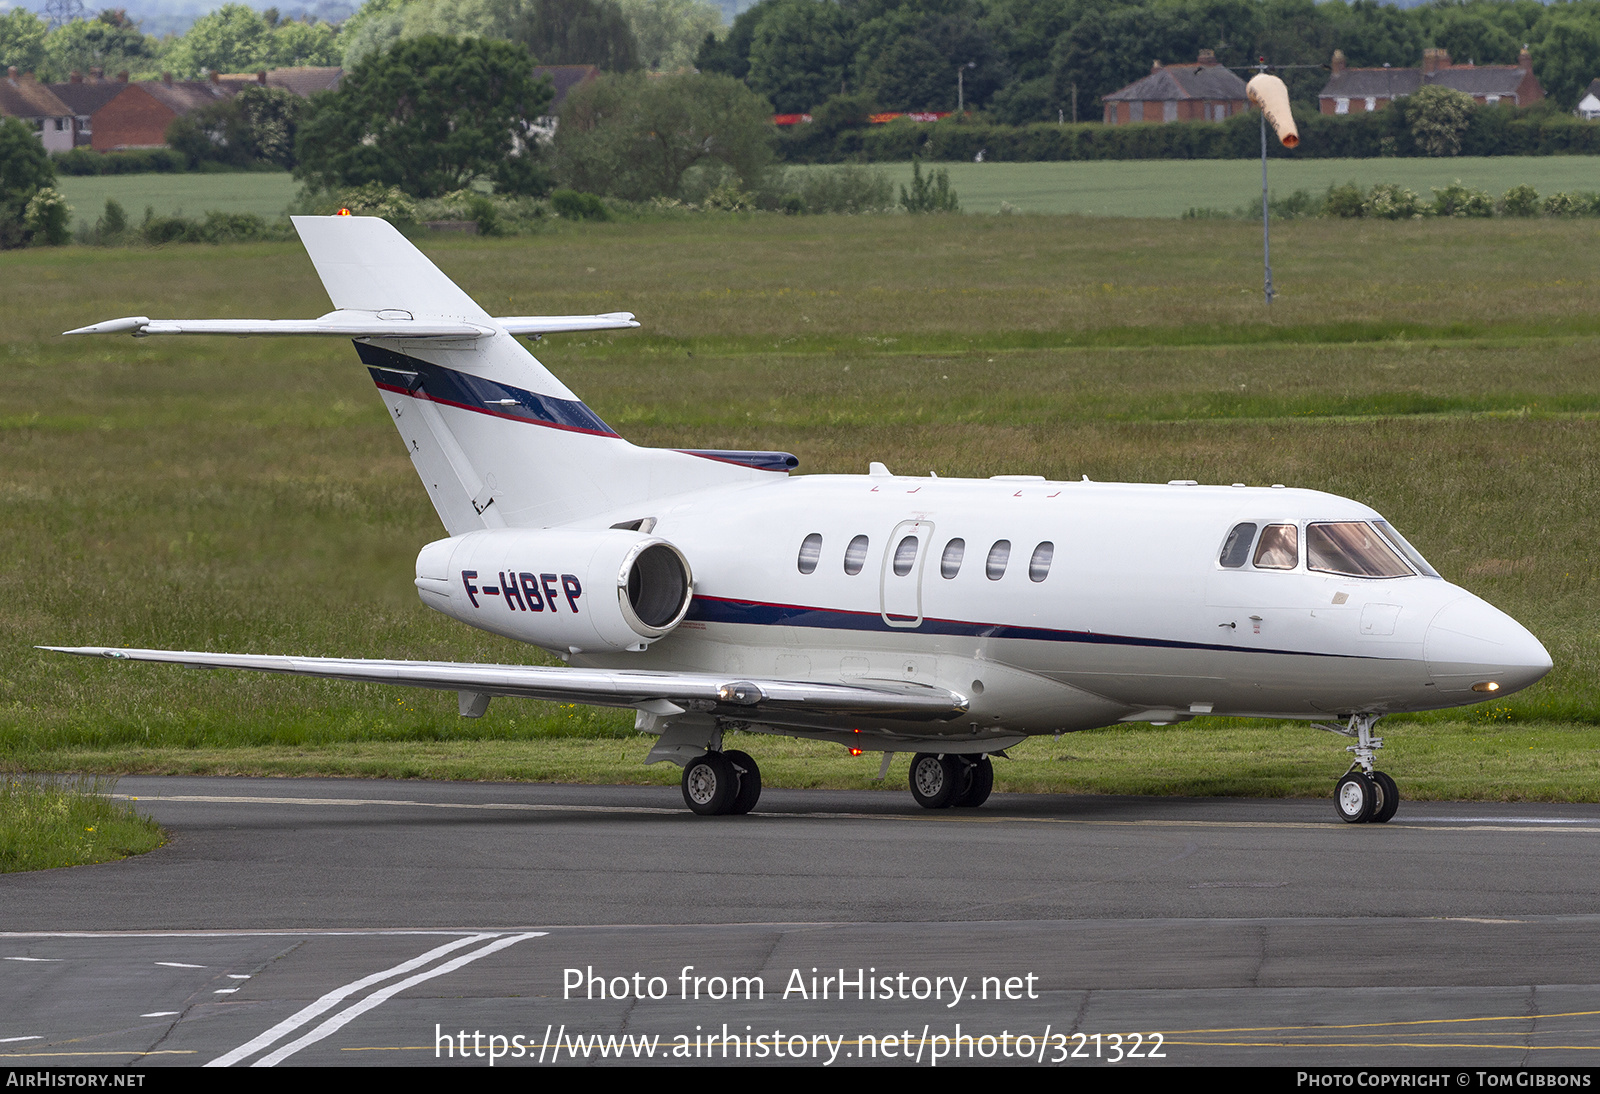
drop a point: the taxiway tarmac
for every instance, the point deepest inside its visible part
(1240, 931)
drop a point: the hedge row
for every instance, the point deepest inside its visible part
(1492, 131)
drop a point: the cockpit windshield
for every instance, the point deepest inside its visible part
(1353, 549)
(1411, 553)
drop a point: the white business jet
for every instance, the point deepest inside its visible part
(948, 618)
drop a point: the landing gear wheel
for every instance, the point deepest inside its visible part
(1354, 796)
(935, 780)
(1389, 799)
(979, 782)
(709, 784)
(749, 777)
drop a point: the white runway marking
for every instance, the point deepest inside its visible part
(334, 1024)
(1463, 824)
(162, 1014)
(50, 959)
(31, 1037)
(179, 965)
(328, 1001)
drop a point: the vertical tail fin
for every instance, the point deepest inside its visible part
(497, 440)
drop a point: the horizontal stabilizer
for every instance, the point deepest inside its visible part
(560, 324)
(390, 323)
(799, 702)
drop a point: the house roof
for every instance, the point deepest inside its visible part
(87, 96)
(1373, 83)
(1388, 83)
(26, 97)
(304, 80)
(564, 78)
(1186, 81)
(182, 96)
(1479, 79)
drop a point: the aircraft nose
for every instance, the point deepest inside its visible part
(1472, 647)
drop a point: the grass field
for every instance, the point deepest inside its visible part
(1166, 188)
(1120, 188)
(266, 193)
(250, 495)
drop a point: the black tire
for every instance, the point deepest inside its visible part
(1389, 800)
(1354, 798)
(709, 784)
(749, 776)
(979, 783)
(935, 780)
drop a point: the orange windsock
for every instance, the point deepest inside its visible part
(1268, 93)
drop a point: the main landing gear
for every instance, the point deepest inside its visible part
(722, 783)
(939, 781)
(1363, 795)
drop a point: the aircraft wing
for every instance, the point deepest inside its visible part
(390, 323)
(667, 693)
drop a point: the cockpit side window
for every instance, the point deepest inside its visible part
(1279, 548)
(1351, 548)
(1236, 548)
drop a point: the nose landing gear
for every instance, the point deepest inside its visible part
(1363, 794)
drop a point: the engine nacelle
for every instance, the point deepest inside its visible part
(564, 589)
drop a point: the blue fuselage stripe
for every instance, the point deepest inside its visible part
(459, 389)
(708, 609)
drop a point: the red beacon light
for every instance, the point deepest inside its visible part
(342, 213)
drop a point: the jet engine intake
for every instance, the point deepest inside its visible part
(566, 589)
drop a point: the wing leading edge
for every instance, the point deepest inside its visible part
(786, 702)
(389, 323)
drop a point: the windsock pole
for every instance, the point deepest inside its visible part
(1266, 229)
(1271, 97)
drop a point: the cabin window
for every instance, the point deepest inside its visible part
(999, 555)
(1279, 548)
(810, 552)
(1405, 548)
(855, 555)
(905, 556)
(950, 564)
(1236, 548)
(1039, 564)
(1352, 549)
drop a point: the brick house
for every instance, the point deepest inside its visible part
(86, 95)
(1361, 90)
(138, 115)
(1201, 91)
(37, 107)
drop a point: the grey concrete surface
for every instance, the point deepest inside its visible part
(1240, 931)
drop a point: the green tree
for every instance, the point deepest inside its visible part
(25, 169)
(729, 55)
(635, 137)
(800, 53)
(110, 41)
(233, 38)
(574, 32)
(669, 32)
(429, 115)
(1437, 117)
(258, 125)
(296, 43)
(1566, 55)
(22, 35)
